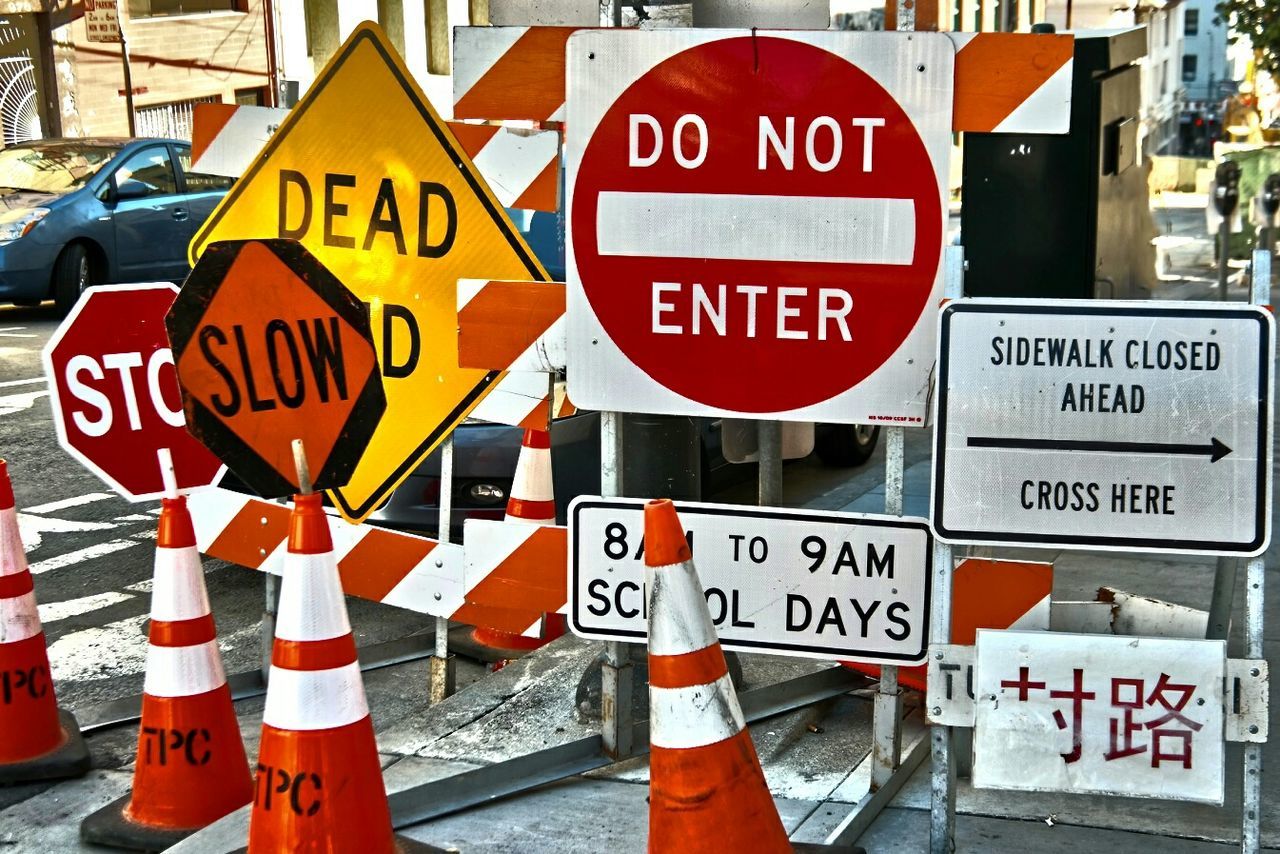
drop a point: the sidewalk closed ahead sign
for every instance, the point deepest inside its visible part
(369, 179)
(1105, 424)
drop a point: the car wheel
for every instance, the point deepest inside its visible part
(72, 274)
(845, 445)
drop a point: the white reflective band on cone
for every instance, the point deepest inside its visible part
(179, 592)
(533, 476)
(678, 617)
(12, 557)
(311, 603)
(694, 717)
(19, 618)
(183, 671)
(315, 699)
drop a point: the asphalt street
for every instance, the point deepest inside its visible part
(91, 550)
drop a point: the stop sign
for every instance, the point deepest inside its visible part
(115, 395)
(756, 222)
(271, 347)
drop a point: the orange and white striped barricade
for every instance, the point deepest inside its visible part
(191, 768)
(319, 783)
(1004, 82)
(707, 791)
(225, 138)
(518, 327)
(532, 502)
(511, 574)
(38, 741)
(1013, 82)
(988, 594)
(521, 165)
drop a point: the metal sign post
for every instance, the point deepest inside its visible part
(942, 780)
(1147, 698)
(442, 666)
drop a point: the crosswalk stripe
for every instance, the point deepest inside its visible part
(81, 555)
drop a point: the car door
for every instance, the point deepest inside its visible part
(202, 191)
(151, 231)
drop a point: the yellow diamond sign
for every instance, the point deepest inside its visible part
(367, 177)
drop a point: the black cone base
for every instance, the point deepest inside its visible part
(110, 826)
(69, 760)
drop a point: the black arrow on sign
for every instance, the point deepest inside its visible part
(1214, 450)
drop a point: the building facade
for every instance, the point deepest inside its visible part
(54, 81)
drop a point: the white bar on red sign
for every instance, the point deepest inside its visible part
(744, 227)
(1059, 712)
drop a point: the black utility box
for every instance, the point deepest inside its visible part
(1066, 216)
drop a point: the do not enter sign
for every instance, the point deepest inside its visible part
(756, 222)
(270, 347)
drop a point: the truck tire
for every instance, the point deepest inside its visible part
(845, 445)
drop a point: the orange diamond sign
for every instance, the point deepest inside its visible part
(270, 347)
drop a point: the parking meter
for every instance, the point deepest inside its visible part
(1226, 194)
(1271, 196)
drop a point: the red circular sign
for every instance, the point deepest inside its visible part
(802, 355)
(116, 398)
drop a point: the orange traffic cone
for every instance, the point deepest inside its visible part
(38, 741)
(191, 768)
(319, 785)
(532, 502)
(706, 789)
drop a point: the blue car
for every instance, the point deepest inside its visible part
(82, 212)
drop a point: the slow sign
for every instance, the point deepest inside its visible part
(756, 221)
(364, 173)
(791, 582)
(115, 397)
(270, 347)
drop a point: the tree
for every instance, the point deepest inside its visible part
(1258, 21)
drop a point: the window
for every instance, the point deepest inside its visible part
(163, 8)
(199, 182)
(1191, 23)
(151, 167)
(1188, 67)
(52, 167)
(1164, 77)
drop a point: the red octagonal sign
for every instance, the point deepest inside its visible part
(115, 393)
(756, 222)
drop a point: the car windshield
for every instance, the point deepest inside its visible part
(52, 168)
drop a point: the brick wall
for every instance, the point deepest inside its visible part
(176, 58)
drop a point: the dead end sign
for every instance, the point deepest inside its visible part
(367, 177)
(269, 348)
(756, 221)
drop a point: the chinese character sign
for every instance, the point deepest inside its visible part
(1109, 715)
(102, 20)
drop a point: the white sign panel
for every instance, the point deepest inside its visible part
(790, 582)
(755, 221)
(1108, 715)
(1104, 425)
(102, 20)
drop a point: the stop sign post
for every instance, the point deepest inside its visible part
(115, 395)
(756, 222)
(270, 347)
